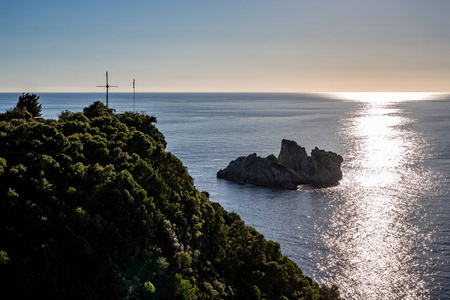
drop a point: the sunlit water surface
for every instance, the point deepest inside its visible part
(377, 238)
(382, 233)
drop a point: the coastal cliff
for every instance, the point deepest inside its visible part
(292, 168)
(92, 206)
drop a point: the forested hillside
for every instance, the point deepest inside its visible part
(93, 207)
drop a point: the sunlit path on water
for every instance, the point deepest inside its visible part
(372, 235)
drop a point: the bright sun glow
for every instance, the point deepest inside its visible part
(383, 97)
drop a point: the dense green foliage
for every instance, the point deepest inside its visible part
(30, 103)
(27, 107)
(92, 206)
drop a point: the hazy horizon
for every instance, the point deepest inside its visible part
(233, 46)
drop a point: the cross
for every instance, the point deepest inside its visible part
(107, 87)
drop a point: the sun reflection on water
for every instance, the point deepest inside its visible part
(372, 233)
(384, 97)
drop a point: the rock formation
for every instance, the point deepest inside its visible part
(292, 168)
(295, 157)
(325, 167)
(261, 171)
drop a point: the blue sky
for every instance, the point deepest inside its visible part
(225, 46)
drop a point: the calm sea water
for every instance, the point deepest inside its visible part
(382, 233)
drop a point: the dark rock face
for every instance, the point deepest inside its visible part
(292, 168)
(295, 157)
(325, 167)
(261, 171)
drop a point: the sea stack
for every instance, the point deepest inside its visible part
(292, 168)
(261, 171)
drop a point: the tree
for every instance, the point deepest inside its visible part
(65, 115)
(29, 102)
(15, 113)
(97, 109)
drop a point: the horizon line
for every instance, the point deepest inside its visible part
(219, 92)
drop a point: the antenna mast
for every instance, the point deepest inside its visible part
(107, 87)
(134, 95)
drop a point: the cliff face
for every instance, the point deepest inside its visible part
(93, 207)
(325, 167)
(292, 168)
(295, 157)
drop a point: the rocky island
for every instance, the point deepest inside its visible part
(292, 168)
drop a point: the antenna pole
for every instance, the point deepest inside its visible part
(107, 88)
(134, 95)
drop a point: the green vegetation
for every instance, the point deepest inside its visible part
(30, 103)
(93, 207)
(27, 107)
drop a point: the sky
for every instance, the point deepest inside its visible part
(225, 46)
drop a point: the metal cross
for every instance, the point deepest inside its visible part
(107, 87)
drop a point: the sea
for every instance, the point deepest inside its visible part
(382, 233)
